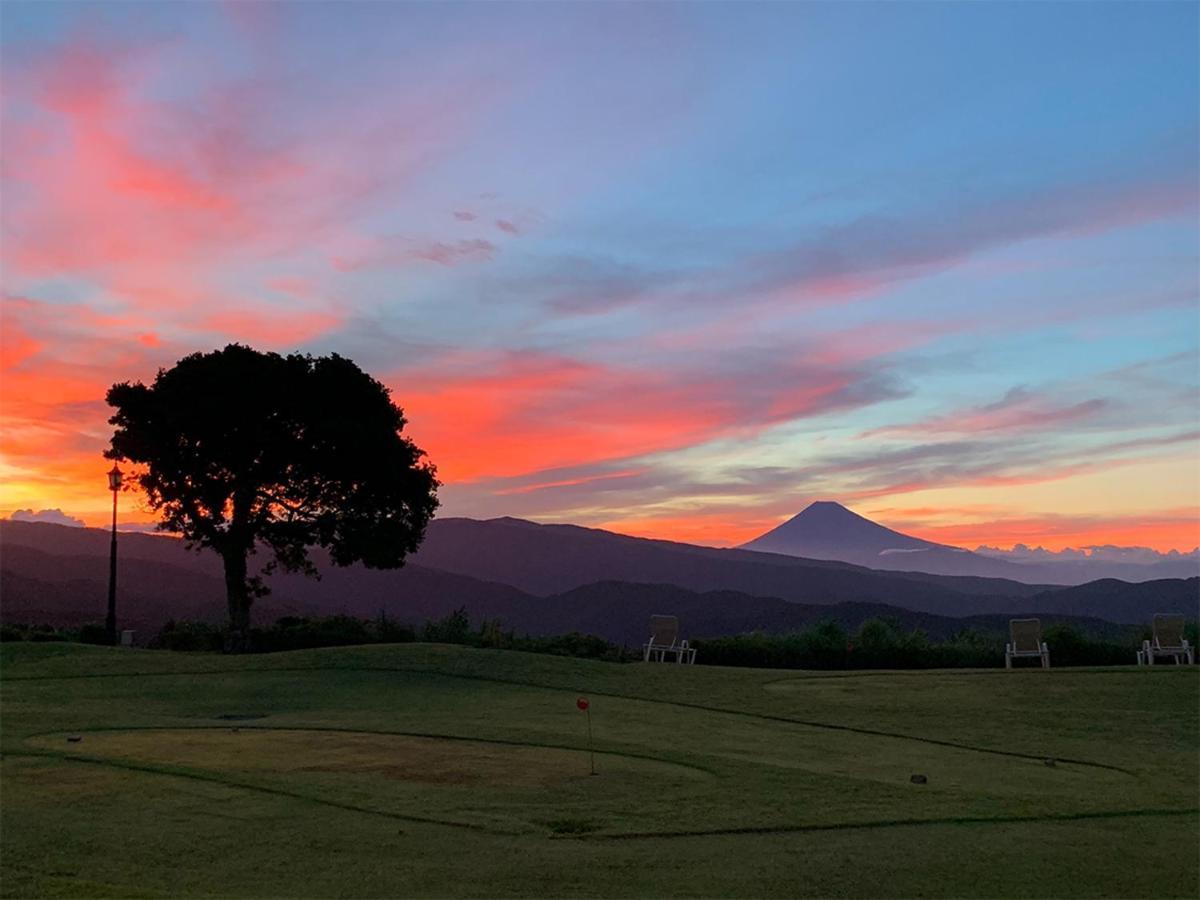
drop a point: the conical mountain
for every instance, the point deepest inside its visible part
(827, 530)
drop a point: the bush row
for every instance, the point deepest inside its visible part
(876, 644)
(86, 634)
(300, 633)
(881, 644)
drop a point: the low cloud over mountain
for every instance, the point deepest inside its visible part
(1141, 556)
(54, 516)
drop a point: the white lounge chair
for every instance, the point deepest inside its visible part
(1027, 640)
(1168, 640)
(664, 640)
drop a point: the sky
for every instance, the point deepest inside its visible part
(676, 270)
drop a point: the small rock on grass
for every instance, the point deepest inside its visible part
(919, 779)
(74, 738)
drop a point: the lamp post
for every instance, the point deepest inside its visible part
(110, 622)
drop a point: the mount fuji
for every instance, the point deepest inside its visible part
(828, 530)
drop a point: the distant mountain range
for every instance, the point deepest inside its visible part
(827, 530)
(542, 579)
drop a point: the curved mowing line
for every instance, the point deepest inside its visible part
(195, 775)
(334, 729)
(882, 823)
(852, 729)
(1059, 673)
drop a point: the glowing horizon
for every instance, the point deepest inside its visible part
(674, 271)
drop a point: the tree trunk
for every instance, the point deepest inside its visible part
(237, 592)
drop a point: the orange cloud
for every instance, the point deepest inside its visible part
(716, 529)
(570, 482)
(1169, 530)
(517, 414)
(16, 346)
(536, 413)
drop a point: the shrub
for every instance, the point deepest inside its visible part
(88, 634)
(824, 646)
(580, 646)
(302, 633)
(12, 631)
(453, 629)
(389, 631)
(189, 636)
(1071, 647)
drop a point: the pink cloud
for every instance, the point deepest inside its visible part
(269, 327)
(300, 288)
(376, 254)
(153, 202)
(1018, 410)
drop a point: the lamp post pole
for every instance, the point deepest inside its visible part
(110, 621)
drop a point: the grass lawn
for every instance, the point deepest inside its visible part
(431, 770)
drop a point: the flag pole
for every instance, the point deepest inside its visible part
(591, 750)
(583, 704)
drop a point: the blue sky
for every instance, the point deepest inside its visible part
(676, 269)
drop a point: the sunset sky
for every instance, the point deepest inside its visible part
(671, 269)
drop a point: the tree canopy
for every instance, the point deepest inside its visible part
(240, 449)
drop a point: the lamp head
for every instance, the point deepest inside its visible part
(114, 479)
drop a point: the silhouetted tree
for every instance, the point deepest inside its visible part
(243, 449)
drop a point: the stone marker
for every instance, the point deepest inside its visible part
(919, 779)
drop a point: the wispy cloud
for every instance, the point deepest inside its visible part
(1019, 410)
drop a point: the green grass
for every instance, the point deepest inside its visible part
(427, 770)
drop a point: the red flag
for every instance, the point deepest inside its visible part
(582, 703)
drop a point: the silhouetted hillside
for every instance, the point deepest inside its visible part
(538, 578)
(545, 559)
(1124, 602)
(159, 580)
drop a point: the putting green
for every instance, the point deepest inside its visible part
(296, 753)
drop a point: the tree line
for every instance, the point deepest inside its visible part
(876, 644)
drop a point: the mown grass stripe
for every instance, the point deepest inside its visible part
(881, 823)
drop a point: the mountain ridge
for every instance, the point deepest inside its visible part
(506, 568)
